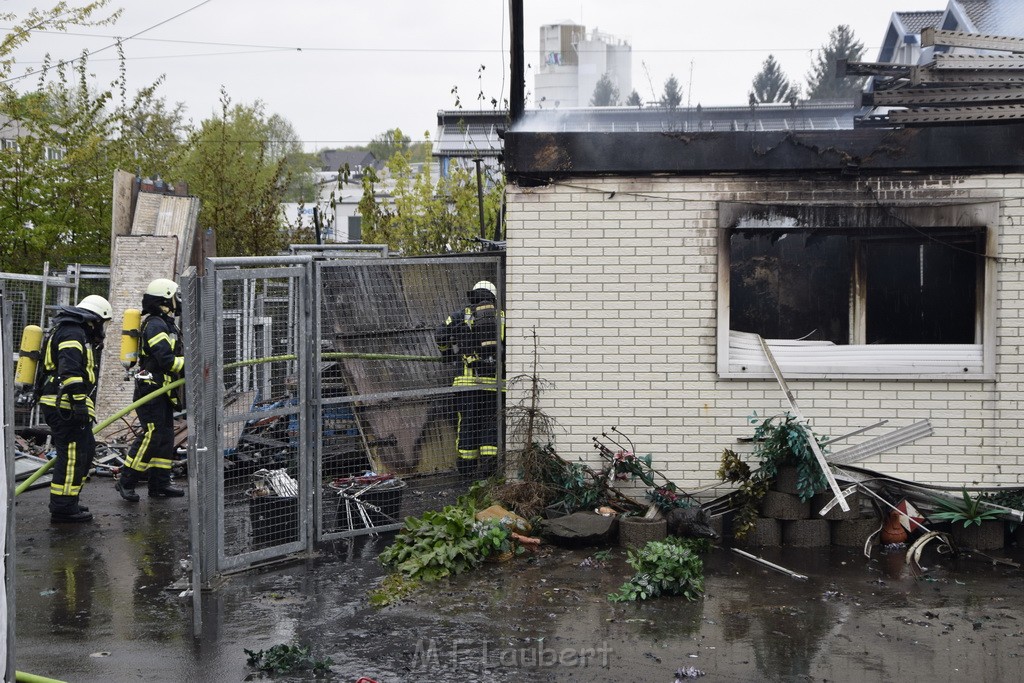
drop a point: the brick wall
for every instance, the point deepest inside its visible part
(619, 279)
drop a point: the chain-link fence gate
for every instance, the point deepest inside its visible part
(319, 406)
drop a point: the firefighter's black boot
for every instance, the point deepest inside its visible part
(125, 485)
(66, 509)
(488, 466)
(466, 467)
(160, 484)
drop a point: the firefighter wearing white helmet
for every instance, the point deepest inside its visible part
(472, 337)
(161, 361)
(66, 385)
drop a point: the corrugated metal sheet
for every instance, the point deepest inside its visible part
(177, 217)
(881, 444)
(147, 208)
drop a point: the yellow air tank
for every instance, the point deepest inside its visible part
(130, 335)
(28, 355)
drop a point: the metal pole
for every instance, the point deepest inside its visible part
(517, 87)
(480, 197)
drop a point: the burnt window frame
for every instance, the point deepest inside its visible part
(855, 358)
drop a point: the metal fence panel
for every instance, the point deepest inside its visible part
(387, 443)
(318, 388)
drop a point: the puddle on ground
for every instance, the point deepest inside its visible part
(104, 589)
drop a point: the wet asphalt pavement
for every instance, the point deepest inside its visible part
(93, 603)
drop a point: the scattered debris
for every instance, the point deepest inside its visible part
(687, 672)
(768, 564)
(282, 659)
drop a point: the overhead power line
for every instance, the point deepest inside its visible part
(439, 50)
(116, 42)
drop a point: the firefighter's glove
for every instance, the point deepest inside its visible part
(80, 411)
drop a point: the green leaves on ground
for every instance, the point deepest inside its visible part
(443, 543)
(669, 567)
(284, 659)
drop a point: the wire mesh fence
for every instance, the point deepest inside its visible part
(384, 383)
(325, 402)
(34, 299)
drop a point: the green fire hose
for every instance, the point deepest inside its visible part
(23, 486)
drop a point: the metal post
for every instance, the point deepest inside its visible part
(517, 87)
(480, 197)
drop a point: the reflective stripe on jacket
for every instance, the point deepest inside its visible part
(473, 333)
(70, 368)
(161, 352)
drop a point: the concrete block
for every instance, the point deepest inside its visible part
(779, 505)
(636, 532)
(806, 533)
(854, 532)
(785, 480)
(988, 536)
(767, 532)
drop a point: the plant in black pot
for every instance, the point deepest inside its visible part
(974, 524)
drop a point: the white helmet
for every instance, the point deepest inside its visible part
(486, 284)
(162, 288)
(98, 306)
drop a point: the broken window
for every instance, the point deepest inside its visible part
(855, 291)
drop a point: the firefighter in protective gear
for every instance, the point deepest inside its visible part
(70, 363)
(471, 337)
(161, 361)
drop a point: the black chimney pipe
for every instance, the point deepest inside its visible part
(517, 87)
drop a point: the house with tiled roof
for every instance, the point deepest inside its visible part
(902, 42)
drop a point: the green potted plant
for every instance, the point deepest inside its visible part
(974, 525)
(781, 441)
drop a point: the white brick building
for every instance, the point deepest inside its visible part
(626, 256)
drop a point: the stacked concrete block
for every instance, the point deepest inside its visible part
(766, 531)
(786, 480)
(855, 532)
(787, 506)
(989, 535)
(806, 533)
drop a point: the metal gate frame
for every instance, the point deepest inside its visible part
(203, 317)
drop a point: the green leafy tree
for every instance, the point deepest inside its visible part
(61, 17)
(284, 145)
(230, 166)
(672, 95)
(771, 85)
(389, 143)
(634, 100)
(821, 80)
(426, 216)
(55, 179)
(605, 93)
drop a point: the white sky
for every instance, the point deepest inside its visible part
(344, 71)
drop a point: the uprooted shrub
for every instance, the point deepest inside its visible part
(669, 567)
(286, 659)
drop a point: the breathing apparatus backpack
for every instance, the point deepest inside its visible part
(30, 373)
